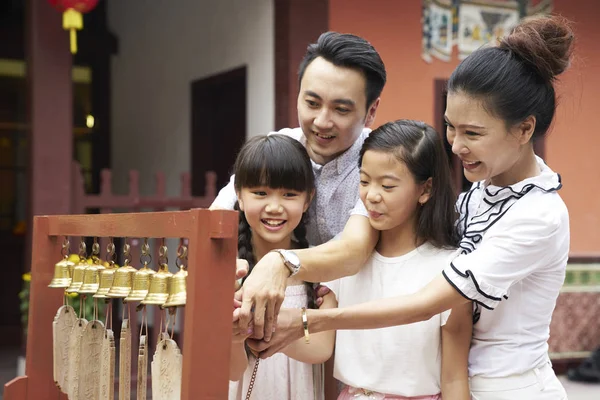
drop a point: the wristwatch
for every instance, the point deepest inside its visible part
(290, 260)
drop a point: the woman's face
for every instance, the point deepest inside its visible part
(489, 151)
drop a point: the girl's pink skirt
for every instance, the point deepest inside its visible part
(351, 393)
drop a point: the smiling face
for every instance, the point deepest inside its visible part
(332, 109)
(489, 151)
(273, 214)
(389, 192)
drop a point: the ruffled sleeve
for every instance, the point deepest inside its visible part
(522, 244)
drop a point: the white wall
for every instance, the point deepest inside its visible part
(164, 45)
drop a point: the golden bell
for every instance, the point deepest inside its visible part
(158, 291)
(122, 282)
(107, 276)
(141, 283)
(177, 289)
(62, 274)
(91, 279)
(77, 277)
(73, 259)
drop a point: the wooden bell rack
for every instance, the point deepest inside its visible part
(212, 238)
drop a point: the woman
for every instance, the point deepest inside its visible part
(514, 225)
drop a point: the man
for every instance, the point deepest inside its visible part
(341, 78)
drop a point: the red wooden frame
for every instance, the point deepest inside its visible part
(212, 239)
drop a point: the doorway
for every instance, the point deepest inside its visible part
(218, 125)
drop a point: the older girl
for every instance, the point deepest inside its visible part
(406, 187)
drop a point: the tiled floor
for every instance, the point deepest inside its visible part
(8, 366)
(576, 391)
(581, 391)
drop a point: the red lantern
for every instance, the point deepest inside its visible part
(73, 11)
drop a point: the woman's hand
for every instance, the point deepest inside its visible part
(289, 329)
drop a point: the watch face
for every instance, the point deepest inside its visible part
(292, 258)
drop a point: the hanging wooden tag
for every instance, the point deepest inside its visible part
(89, 364)
(125, 361)
(107, 366)
(166, 371)
(74, 357)
(142, 377)
(63, 323)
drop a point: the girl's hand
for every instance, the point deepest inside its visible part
(289, 329)
(320, 292)
(241, 270)
(239, 334)
(236, 310)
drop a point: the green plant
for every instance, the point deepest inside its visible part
(24, 297)
(72, 298)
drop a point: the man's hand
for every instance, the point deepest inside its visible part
(264, 289)
(289, 329)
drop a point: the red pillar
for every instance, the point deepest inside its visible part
(50, 117)
(50, 120)
(297, 24)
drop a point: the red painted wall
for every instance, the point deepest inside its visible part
(573, 147)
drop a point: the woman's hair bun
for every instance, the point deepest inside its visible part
(543, 42)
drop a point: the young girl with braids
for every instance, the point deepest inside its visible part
(274, 183)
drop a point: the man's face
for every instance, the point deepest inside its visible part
(332, 109)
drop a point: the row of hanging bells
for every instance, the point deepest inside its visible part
(108, 280)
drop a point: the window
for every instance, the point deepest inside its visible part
(14, 146)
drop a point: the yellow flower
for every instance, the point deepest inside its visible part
(73, 295)
(27, 277)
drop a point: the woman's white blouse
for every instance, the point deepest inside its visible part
(512, 260)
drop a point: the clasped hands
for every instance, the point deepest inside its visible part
(257, 314)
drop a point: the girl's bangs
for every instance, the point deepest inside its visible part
(274, 169)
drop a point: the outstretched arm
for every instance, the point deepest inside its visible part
(265, 288)
(338, 258)
(456, 341)
(321, 344)
(436, 297)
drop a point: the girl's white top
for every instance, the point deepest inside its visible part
(280, 377)
(511, 263)
(401, 360)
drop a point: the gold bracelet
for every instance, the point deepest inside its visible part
(305, 326)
